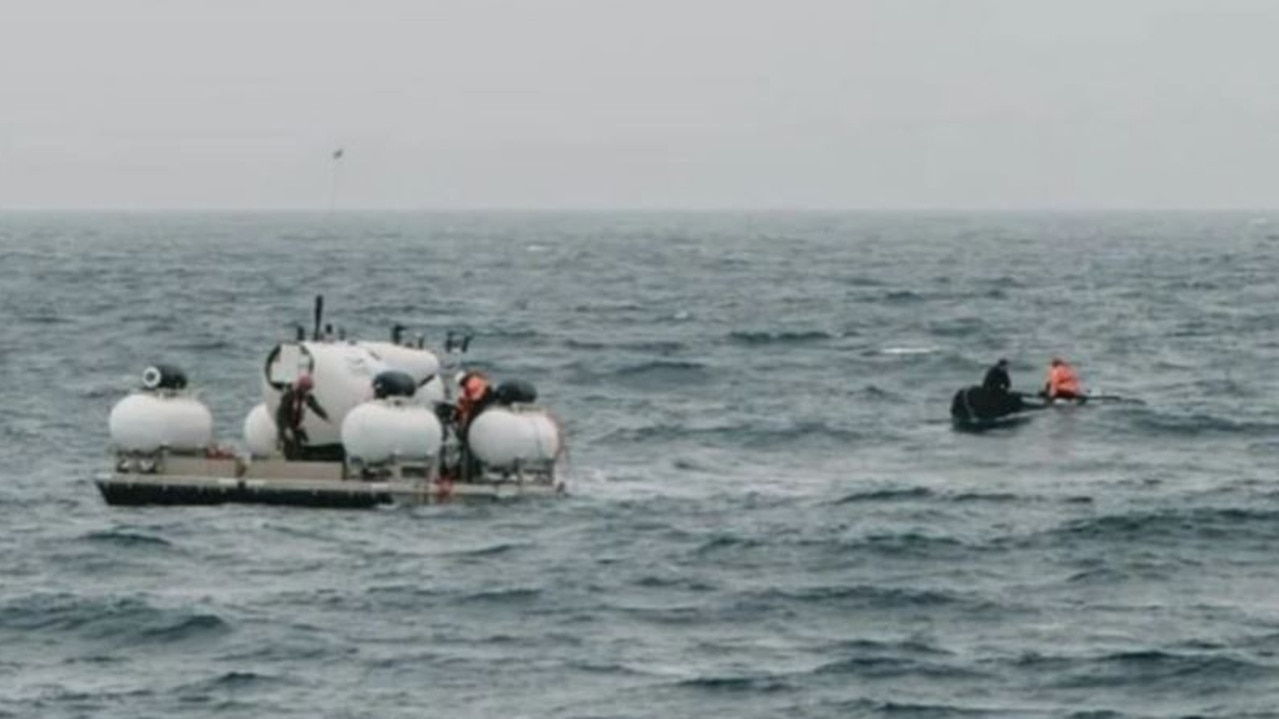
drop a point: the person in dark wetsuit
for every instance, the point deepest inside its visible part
(997, 378)
(993, 399)
(998, 390)
(289, 415)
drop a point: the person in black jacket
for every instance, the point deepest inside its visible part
(998, 392)
(997, 380)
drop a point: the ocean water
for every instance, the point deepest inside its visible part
(769, 512)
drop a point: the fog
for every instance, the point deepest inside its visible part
(595, 104)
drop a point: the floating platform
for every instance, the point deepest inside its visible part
(212, 481)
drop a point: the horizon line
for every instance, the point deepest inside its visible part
(515, 209)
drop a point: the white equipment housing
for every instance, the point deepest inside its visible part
(343, 374)
(149, 421)
(512, 438)
(419, 364)
(259, 431)
(391, 429)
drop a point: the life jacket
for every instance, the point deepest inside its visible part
(1063, 382)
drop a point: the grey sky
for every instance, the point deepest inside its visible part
(143, 104)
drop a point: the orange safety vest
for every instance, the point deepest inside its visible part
(1063, 382)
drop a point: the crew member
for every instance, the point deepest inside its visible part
(1062, 382)
(476, 394)
(997, 380)
(289, 415)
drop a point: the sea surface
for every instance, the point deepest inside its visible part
(770, 514)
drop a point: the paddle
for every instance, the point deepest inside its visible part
(1085, 399)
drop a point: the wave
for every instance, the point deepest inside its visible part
(904, 544)
(888, 494)
(796, 436)
(1200, 424)
(661, 367)
(863, 281)
(873, 392)
(722, 542)
(606, 307)
(1203, 523)
(1226, 387)
(125, 538)
(81, 699)
(962, 327)
(512, 595)
(207, 345)
(995, 497)
(45, 318)
(412, 590)
(1115, 576)
(866, 596)
(642, 346)
(761, 338)
(1193, 673)
(238, 681)
(897, 494)
(692, 584)
(101, 391)
(886, 667)
(509, 333)
(683, 615)
(616, 668)
(912, 647)
(872, 707)
(900, 297)
(491, 550)
(733, 684)
(649, 375)
(909, 350)
(130, 620)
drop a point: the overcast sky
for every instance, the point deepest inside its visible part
(1006, 104)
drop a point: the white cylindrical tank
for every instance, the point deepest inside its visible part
(259, 431)
(146, 422)
(502, 438)
(430, 393)
(384, 429)
(420, 364)
(343, 379)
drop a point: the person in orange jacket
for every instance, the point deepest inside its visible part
(476, 394)
(1063, 382)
